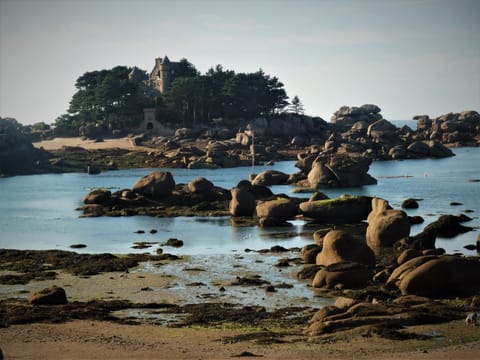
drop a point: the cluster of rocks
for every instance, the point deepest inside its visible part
(157, 194)
(331, 171)
(362, 131)
(458, 129)
(17, 154)
(407, 279)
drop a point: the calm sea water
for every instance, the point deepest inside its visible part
(38, 211)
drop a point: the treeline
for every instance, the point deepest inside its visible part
(110, 98)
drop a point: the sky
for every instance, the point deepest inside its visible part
(409, 57)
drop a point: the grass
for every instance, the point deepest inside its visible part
(331, 203)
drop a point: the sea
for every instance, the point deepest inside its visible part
(40, 211)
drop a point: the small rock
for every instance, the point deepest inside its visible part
(282, 263)
(454, 203)
(270, 288)
(410, 204)
(278, 249)
(153, 231)
(49, 296)
(174, 242)
(414, 220)
(78, 246)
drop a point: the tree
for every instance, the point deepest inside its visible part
(101, 94)
(186, 69)
(296, 106)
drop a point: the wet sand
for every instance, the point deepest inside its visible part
(92, 339)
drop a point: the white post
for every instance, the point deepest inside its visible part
(253, 152)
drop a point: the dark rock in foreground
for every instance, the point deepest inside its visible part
(49, 296)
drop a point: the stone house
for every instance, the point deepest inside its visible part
(158, 81)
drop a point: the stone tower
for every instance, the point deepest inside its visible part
(163, 74)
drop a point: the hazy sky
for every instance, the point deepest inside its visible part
(407, 56)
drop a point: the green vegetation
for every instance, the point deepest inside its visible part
(108, 98)
(331, 203)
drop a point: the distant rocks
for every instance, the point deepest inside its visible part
(457, 129)
(364, 115)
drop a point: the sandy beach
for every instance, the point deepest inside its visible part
(58, 143)
(104, 340)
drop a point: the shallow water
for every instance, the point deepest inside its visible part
(38, 211)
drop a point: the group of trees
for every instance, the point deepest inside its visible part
(224, 94)
(110, 98)
(102, 96)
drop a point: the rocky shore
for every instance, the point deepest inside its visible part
(354, 132)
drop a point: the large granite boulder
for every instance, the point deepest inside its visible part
(382, 131)
(49, 296)
(386, 226)
(279, 209)
(242, 203)
(345, 275)
(429, 149)
(200, 185)
(97, 196)
(155, 185)
(270, 177)
(340, 246)
(340, 210)
(438, 276)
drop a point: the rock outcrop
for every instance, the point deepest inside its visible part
(458, 129)
(339, 171)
